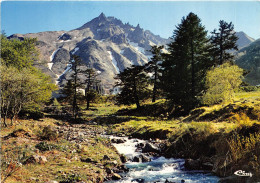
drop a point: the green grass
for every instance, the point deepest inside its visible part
(63, 157)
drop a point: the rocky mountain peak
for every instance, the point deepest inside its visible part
(102, 17)
(243, 39)
(104, 43)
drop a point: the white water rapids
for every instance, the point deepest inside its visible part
(159, 169)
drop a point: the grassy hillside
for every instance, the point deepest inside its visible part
(225, 137)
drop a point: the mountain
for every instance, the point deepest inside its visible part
(243, 40)
(105, 43)
(249, 59)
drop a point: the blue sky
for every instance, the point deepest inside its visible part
(160, 17)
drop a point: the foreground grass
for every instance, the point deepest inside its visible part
(63, 156)
(227, 135)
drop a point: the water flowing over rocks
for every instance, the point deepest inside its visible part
(146, 164)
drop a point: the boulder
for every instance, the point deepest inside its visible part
(36, 159)
(116, 176)
(109, 171)
(141, 158)
(192, 164)
(137, 159)
(207, 166)
(118, 141)
(87, 160)
(145, 158)
(123, 158)
(138, 180)
(106, 157)
(150, 148)
(140, 145)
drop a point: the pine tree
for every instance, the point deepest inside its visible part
(153, 67)
(75, 66)
(185, 66)
(133, 82)
(91, 82)
(223, 41)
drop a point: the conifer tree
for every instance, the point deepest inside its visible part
(224, 40)
(91, 81)
(185, 66)
(153, 67)
(75, 66)
(133, 82)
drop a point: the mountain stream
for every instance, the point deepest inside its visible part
(159, 169)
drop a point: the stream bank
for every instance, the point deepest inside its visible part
(146, 164)
(201, 149)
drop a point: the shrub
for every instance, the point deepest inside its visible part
(239, 146)
(249, 88)
(48, 134)
(31, 113)
(241, 119)
(222, 82)
(44, 146)
(70, 178)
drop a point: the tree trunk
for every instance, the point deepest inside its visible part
(88, 102)
(74, 105)
(192, 69)
(4, 121)
(155, 85)
(221, 48)
(135, 95)
(87, 91)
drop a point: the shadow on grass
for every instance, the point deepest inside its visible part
(159, 109)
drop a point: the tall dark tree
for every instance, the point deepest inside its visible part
(223, 41)
(134, 83)
(91, 82)
(153, 67)
(185, 66)
(75, 66)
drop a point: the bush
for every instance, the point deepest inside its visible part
(239, 145)
(31, 113)
(249, 88)
(222, 82)
(48, 134)
(44, 146)
(70, 178)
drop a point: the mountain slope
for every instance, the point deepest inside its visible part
(105, 43)
(249, 59)
(243, 40)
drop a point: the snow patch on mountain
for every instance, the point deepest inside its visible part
(50, 65)
(53, 54)
(114, 62)
(75, 50)
(60, 36)
(135, 45)
(66, 70)
(152, 43)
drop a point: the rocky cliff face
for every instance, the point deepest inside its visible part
(105, 43)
